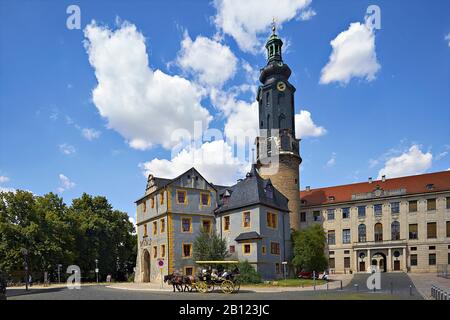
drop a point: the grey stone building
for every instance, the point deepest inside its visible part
(252, 216)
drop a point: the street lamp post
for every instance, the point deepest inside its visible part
(59, 273)
(96, 268)
(25, 263)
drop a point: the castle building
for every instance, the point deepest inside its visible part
(399, 224)
(252, 216)
(278, 155)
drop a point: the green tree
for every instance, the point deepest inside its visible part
(209, 246)
(247, 273)
(309, 248)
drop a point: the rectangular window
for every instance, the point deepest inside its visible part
(345, 213)
(155, 228)
(302, 216)
(413, 206)
(277, 268)
(188, 271)
(431, 230)
(161, 198)
(448, 258)
(378, 209)
(152, 202)
(187, 250)
(432, 259)
(163, 250)
(144, 206)
(413, 260)
(431, 247)
(448, 203)
(206, 225)
(316, 215)
(145, 230)
(395, 207)
(431, 204)
(331, 237)
(246, 219)
(346, 251)
(275, 248)
(271, 220)
(413, 248)
(361, 211)
(346, 262)
(346, 236)
(413, 232)
(247, 248)
(232, 249)
(448, 228)
(155, 252)
(162, 225)
(331, 263)
(263, 249)
(186, 225)
(226, 223)
(205, 199)
(181, 197)
(330, 214)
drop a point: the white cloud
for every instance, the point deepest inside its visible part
(305, 126)
(411, 162)
(246, 20)
(441, 155)
(90, 134)
(4, 179)
(133, 221)
(65, 183)
(447, 37)
(211, 62)
(214, 160)
(307, 14)
(332, 161)
(145, 106)
(353, 56)
(67, 149)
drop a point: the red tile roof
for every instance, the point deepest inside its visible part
(411, 184)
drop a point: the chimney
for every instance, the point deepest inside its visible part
(383, 178)
(308, 188)
(370, 179)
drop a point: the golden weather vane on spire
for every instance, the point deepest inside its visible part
(274, 25)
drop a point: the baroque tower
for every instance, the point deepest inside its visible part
(278, 157)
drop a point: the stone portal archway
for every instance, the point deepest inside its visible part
(146, 267)
(379, 260)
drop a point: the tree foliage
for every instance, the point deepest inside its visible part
(209, 246)
(248, 274)
(54, 233)
(309, 248)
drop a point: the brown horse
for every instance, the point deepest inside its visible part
(179, 282)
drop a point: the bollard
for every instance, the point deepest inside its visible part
(341, 284)
(356, 287)
(410, 290)
(327, 286)
(392, 288)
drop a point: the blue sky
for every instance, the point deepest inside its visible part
(386, 110)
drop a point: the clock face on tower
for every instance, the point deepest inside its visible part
(281, 86)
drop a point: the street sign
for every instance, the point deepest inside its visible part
(284, 262)
(96, 270)
(160, 263)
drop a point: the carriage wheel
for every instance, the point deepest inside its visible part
(202, 287)
(227, 286)
(210, 287)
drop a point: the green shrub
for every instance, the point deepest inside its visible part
(248, 274)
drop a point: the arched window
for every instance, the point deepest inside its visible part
(378, 231)
(268, 125)
(281, 121)
(395, 230)
(362, 233)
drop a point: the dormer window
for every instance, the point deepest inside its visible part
(331, 198)
(430, 186)
(269, 191)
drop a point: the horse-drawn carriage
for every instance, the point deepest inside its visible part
(222, 274)
(226, 280)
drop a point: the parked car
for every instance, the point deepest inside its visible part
(2, 287)
(305, 274)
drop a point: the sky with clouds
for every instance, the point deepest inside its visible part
(159, 86)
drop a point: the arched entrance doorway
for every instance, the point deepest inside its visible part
(379, 260)
(146, 266)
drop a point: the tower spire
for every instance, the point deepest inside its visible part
(274, 45)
